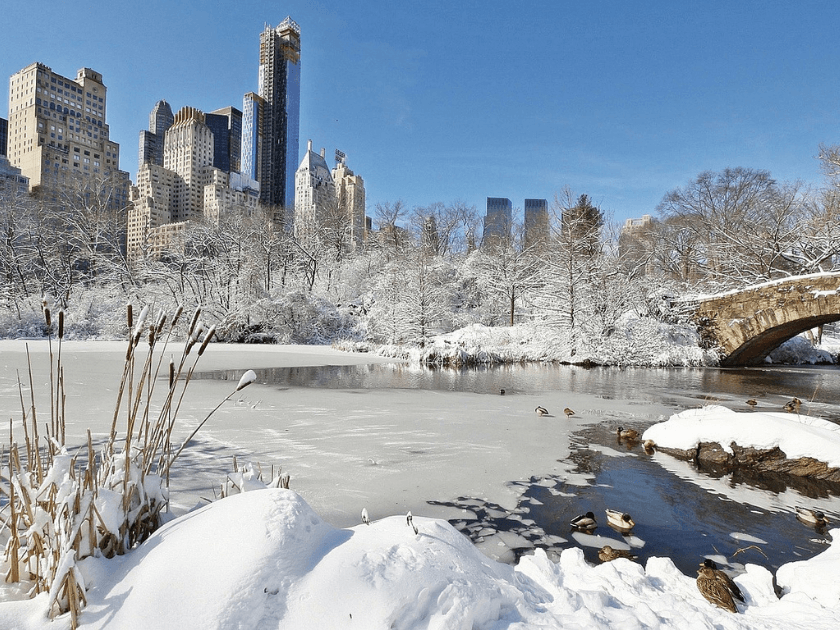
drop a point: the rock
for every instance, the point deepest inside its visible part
(774, 460)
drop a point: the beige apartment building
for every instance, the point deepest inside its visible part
(324, 197)
(58, 134)
(186, 188)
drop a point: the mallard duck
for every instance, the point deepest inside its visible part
(793, 405)
(541, 411)
(502, 391)
(752, 402)
(585, 521)
(365, 517)
(714, 590)
(569, 413)
(608, 554)
(650, 446)
(627, 434)
(724, 579)
(409, 520)
(811, 517)
(619, 520)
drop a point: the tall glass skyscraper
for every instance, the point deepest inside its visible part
(498, 221)
(536, 222)
(252, 108)
(279, 88)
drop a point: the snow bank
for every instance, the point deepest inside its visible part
(636, 341)
(796, 435)
(264, 559)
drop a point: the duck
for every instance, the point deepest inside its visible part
(793, 405)
(714, 590)
(724, 579)
(811, 517)
(608, 554)
(541, 411)
(585, 521)
(650, 446)
(619, 520)
(627, 434)
(569, 413)
(502, 391)
(365, 517)
(752, 402)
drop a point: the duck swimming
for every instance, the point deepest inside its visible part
(627, 434)
(585, 521)
(811, 517)
(608, 554)
(619, 520)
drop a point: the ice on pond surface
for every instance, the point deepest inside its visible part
(748, 538)
(597, 541)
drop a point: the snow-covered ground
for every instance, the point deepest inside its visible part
(274, 558)
(265, 559)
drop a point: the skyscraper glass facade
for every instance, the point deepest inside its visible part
(536, 221)
(251, 135)
(498, 220)
(279, 87)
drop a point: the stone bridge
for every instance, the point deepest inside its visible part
(749, 323)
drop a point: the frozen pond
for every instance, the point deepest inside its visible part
(355, 431)
(680, 512)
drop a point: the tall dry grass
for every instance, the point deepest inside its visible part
(58, 506)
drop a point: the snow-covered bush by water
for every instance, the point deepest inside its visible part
(104, 500)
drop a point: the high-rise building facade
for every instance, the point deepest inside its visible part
(151, 141)
(536, 222)
(279, 89)
(314, 194)
(4, 134)
(252, 108)
(58, 135)
(498, 221)
(11, 181)
(186, 187)
(350, 199)
(226, 125)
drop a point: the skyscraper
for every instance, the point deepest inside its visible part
(58, 135)
(279, 88)
(151, 141)
(536, 222)
(226, 125)
(350, 199)
(188, 186)
(252, 108)
(498, 221)
(315, 196)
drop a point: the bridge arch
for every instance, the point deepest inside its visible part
(748, 324)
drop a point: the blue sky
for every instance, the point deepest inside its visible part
(444, 101)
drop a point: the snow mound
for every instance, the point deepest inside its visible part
(796, 435)
(264, 559)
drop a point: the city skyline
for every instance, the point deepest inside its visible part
(436, 102)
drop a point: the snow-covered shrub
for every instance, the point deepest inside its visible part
(62, 507)
(799, 350)
(249, 478)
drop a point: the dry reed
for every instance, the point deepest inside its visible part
(64, 507)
